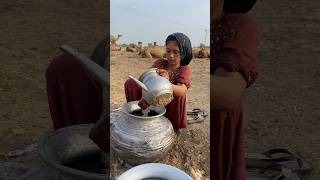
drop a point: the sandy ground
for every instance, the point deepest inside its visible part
(281, 109)
(191, 152)
(31, 32)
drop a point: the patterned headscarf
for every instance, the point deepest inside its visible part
(184, 47)
(238, 6)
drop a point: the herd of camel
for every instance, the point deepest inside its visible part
(154, 50)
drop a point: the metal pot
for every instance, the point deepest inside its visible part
(154, 171)
(141, 139)
(157, 90)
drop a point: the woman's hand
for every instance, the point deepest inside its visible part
(164, 73)
(227, 89)
(178, 89)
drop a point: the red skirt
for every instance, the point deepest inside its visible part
(74, 96)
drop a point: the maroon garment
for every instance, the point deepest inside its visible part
(234, 48)
(74, 96)
(176, 110)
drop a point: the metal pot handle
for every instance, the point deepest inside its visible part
(144, 87)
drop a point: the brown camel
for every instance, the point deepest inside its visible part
(195, 52)
(133, 48)
(113, 43)
(115, 48)
(202, 52)
(113, 39)
(153, 52)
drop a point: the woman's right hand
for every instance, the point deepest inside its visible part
(164, 73)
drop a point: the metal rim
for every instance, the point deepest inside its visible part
(59, 167)
(151, 70)
(124, 110)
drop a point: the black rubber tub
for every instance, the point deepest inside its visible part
(68, 149)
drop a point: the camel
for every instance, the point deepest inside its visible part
(113, 44)
(202, 52)
(153, 52)
(195, 52)
(145, 53)
(114, 39)
(133, 48)
(115, 48)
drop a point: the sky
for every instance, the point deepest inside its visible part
(151, 21)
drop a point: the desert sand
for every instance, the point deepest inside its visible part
(281, 108)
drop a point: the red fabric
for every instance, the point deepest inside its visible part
(74, 96)
(234, 48)
(176, 110)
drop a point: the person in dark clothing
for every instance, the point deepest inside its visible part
(234, 44)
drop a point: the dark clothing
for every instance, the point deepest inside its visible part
(234, 47)
(238, 6)
(74, 96)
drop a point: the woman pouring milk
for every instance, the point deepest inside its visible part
(173, 67)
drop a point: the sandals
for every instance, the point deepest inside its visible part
(273, 172)
(196, 116)
(281, 157)
(288, 165)
(301, 166)
(260, 160)
(274, 155)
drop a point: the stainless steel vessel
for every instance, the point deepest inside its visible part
(141, 139)
(157, 90)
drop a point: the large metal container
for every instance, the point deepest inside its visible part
(141, 139)
(157, 90)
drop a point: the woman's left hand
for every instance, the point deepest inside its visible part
(164, 73)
